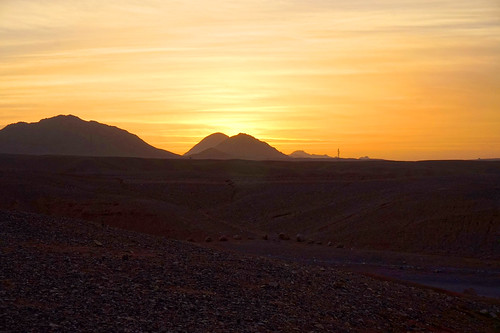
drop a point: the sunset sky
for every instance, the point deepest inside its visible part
(393, 79)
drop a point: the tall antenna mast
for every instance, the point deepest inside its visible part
(338, 153)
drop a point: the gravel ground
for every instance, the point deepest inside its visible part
(64, 275)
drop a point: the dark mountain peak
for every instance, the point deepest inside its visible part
(220, 134)
(62, 118)
(241, 146)
(208, 142)
(57, 120)
(70, 135)
(243, 137)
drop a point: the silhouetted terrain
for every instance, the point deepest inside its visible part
(427, 207)
(303, 154)
(385, 246)
(241, 146)
(208, 142)
(70, 135)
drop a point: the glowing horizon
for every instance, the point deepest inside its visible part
(396, 80)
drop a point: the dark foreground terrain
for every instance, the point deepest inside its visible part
(61, 274)
(434, 207)
(100, 244)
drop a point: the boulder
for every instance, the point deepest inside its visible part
(283, 236)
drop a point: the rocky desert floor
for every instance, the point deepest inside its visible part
(66, 275)
(119, 244)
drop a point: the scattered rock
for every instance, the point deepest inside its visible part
(300, 238)
(283, 236)
(338, 285)
(310, 241)
(237, 237)
(340, 246)
(171, 285)
(208, 239)
(222, 238)
(319, 326)
(191, 239)
(96, 242)
(329, 244)
(265, 237)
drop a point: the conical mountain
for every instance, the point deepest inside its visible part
(70, 135)
(208, 142)
(241, 146)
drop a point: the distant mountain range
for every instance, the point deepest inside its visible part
(241, 146)
(70, 135)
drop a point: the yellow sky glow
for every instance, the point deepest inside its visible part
(393, 79)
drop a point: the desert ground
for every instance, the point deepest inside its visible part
(91, 243)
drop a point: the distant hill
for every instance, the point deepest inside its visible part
(70, 135)
(209, 142)
(241, 146)
(303, 154)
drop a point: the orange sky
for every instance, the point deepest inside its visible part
(392, 79)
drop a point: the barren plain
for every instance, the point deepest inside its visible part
(100, 243)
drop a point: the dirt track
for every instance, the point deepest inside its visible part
(452, 274)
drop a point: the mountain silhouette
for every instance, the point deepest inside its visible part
(70, 135)
(241, 146)
(303, 154)
(209, 142)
